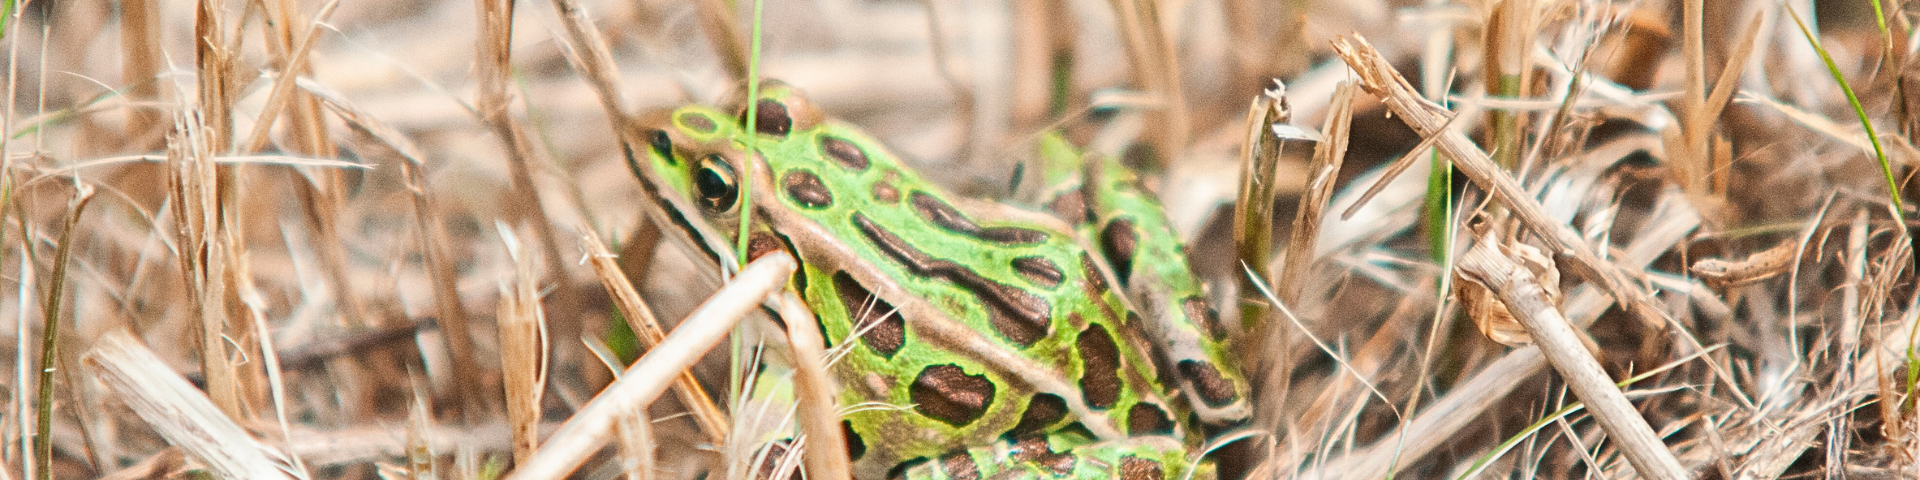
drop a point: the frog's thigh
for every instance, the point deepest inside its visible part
(1137, 458)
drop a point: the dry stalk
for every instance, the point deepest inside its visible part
(420, 457)
(1378, 77)
(636, 445)
(1754, 267)
(1564, 349)
(587, 50)
(140, 70)
(282, 93)
(723, 29)
(179, 412)
(1150, 59)
(493, 67)
(826, 455)
(1041, 74)
(192, 185)
(523, 349)
(647, 329)
(591, 427)
(432, 238)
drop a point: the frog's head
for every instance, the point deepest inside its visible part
(692, 161)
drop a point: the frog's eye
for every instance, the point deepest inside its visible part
(663, 146)
(716, 183)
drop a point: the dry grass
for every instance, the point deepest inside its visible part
(362, 239)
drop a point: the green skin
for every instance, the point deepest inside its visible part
(992, 328)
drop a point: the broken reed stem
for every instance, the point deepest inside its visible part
(1527, 301)
(1378, 77)
(646, 328)
(50, 331)
(592, 426)
(1324, 171)
(179, 412)
(1253, 207)
(523, 349)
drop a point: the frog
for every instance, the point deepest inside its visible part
(1062, 338)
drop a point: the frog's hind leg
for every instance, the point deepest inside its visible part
(1133, 234)
(1136, 458)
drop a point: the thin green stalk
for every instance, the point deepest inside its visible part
(6, 16)
(50, 335)
(753, 134)
(739, 357)
(1886, 168)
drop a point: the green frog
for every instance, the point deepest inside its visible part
(1065, 341)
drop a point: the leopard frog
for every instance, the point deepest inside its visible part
(1012, 342)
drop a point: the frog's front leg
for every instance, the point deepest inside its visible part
(1067, 456)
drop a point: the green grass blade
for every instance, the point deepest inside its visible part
(1879, 153)
(753, 133)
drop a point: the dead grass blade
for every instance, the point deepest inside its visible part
(592, 425)
(647, 329)
(179, 412)
(50, 331)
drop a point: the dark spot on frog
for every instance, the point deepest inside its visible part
(900, 471)
(884, 330)
(1071, 206)
(1096, 281)
(1022, 317)
(1034, 450)
(761, 243)
(1099, 367)
(844, 152)
(1213, 388)
(948, 394)
(804, 189)
(662, 146)
(1136, 468)
(1043, 411)
(1039, 270)
(696, 122)
(1148, 419)
(938, 212)
(1118, 241)
(771, 118)
(1204, 317)
(856, 446)
(959, 466)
